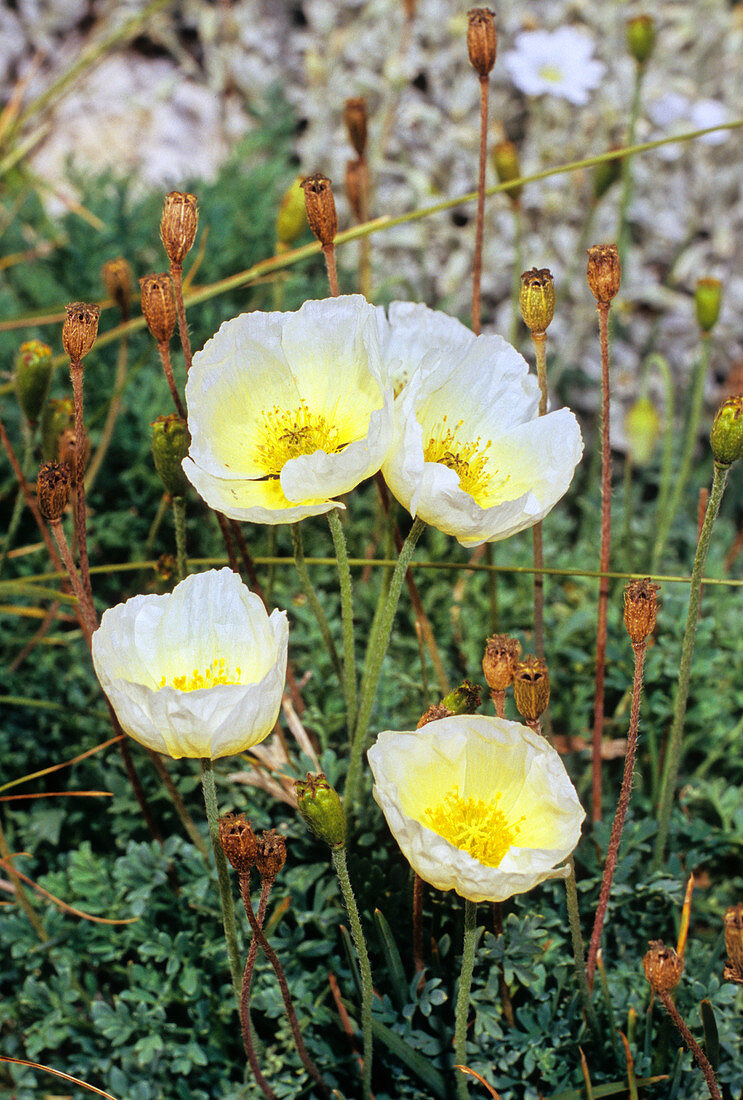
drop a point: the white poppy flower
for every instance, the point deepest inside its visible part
(288, 410)
(199, 672)
(557, 63)
(477, 804)
(470, 456)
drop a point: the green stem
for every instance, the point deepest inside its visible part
(571, 894)
(179, 522)
(374, 665)
(341, 869)
(673, 752)
(309, 591)
(518, 241)
(225, 891)
(623, 232)
(463, 994)
(349, 653)
(683, 470)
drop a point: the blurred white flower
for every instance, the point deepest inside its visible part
(676, 113)
(557, 63)
(470, 456)
(477, 804)
(199, 672)
(288, 410)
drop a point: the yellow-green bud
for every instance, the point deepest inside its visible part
(537, 299)
(464, 699)
(642, 426)
(170, 443)
(321, 809)
(641, 37)
(726, 437)
(505, 157)
(707, 301)
(291, 220)
(57, 417)
(33, 373)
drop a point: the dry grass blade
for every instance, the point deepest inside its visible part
(64, 764)
(473, 1073)
(63, 904)
(57, 1073)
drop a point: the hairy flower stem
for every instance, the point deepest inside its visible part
(499, 702)
(20, 891)
(164, 349)
(463, 994)
(623, 229)
(312, 599)
(176, 274)
(76, 374)
(278, 970)
(417, 921)
(245, 1022)
(480, 223)
(673, 752)
(571, 895)
(349, 653)
(374, 664)
(539, 339)
(621, 814)
(693, 1045)
(225, 892)
(329, 254)
(179, 522)
(367, 988)
(89, 618)
(598, 701)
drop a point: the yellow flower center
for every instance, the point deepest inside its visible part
(474, 826)
(291, 433)
(551, 73)
(468, 460)
(216, 673)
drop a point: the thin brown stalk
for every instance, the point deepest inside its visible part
(329, 254)
(78, 511)
(536, 532)
(365, 243)
(479, 225)
(270, 954)
(620, 815)
(499, 702)
(32, 505)
(247, 558)
(43, 630)
(176, 274)
(247, 1030)
(598, 703)
(178, 804)
(90, 620)
(164, 350)
(229, 543)
(417, 921)
(20, 891)
(693, 1045)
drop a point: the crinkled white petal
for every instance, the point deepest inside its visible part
(482, 757)
(208, 616)
(252, 501)
(418, 339)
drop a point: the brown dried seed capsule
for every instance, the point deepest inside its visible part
(178, 225)
(531, 688)
(117, 278)
(239, 842)
(53, 486)
(80, 329)
(271, 855)
(733, 971)
(320, 206)
(354, 183)
(158, 305)
(434, 712)
(537, 298)
(482, 40)
(355, 116)
(604, 272)
(640, 609)
(67, 450)
(498, 664)
(662, 966)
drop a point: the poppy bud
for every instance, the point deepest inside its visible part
(158, 306)
(531, 688)
(662, 966)
(291, 219)
(170, 443)
(604, 272)
(33, 373)
(79, 330)
(726, 437)
(354, 114)
(642, 426)
(641, 37)
(707, 302)
(117, 278)
(320, 207)
(178, 225)
(505, 157)
(482, 40)
(640, 609)
(464, 699)
(239, 842)
(537, 299)
(321, 809)
(53, 486)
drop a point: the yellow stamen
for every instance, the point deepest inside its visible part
(468, 460)
(552, 73)
(474, 826)
(216, 673)
(291, 433)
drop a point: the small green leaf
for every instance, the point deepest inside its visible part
(393, 960)
(711, 1036)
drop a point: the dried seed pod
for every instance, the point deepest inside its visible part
(158, 305)
(271, 855)
(640, 609)
(53, 487)
(117, 278)
(726, 437)
(355, 117)
(604, 272)
(321, 809)
(434, 712)
(80, 329)
(531, 688)
(464, 699)
(67, 452)
(537, 299)
(239, 842)
(707, 302)
(170, 442)
(662, 966)
(320, 207)
(505, 157)
(641, 37)
(354, 183)
(482, 40)
(178, 225)
(734, 943)
(32, 375)
(500, 659)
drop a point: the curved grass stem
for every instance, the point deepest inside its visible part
(349, 651)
